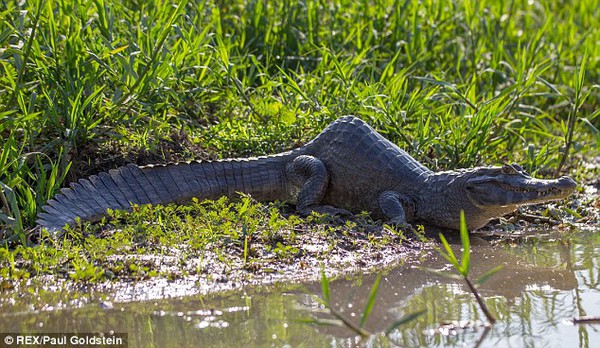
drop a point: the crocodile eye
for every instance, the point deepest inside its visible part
(518, 167)
(510, 170)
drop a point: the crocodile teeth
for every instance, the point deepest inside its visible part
(548, 192)
(539, 193)
(518, 190)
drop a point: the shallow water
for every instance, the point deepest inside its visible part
(547, 280)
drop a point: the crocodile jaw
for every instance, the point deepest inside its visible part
(514, 190)
(491, 192)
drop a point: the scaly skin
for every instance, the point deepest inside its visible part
(348, 167)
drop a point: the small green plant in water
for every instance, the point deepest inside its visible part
(341, 320)
(463, 267)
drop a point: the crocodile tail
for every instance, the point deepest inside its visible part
(119, 189)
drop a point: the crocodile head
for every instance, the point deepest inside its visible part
(485, 193)
(494, 191)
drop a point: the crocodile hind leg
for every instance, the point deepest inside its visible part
(310, 174)
(392, 205)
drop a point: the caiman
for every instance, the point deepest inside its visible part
(347, 167)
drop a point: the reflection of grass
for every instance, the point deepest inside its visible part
(342, 320)
(463, 267)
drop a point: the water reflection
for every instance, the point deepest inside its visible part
(535, 296)
(546, 282)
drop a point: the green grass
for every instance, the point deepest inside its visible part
(180, 232)
(455, 83)
(205, 240)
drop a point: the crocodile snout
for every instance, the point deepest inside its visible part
(566, 183)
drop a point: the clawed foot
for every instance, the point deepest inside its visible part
(336, 213)
(401, 224)
(408, 231)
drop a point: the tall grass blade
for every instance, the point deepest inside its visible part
(370, 301)
(404, 320)
(466, 245)
(576, 104)
(444, 274)
(325, 287)
(15, 221)
(487, 275)
(448, 254)
(320, 321)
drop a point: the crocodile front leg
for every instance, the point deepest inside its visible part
(392, 205)
(309, 173)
